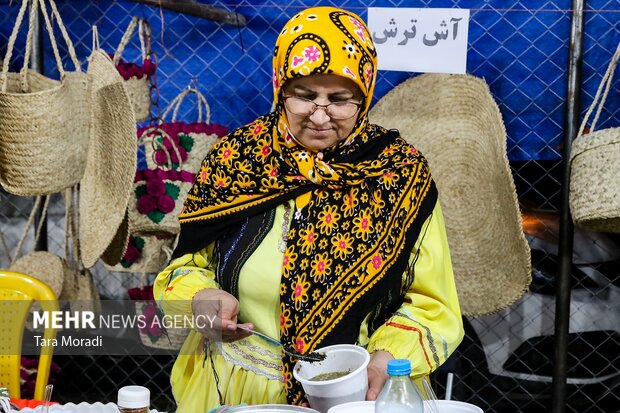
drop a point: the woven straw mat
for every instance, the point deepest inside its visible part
(115, 251)
(111, 161)
(454, 121)
(44, 266)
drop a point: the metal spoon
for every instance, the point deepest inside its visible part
(311, 357)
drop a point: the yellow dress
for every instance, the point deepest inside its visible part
(426, 329)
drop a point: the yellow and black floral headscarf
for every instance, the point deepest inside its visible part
(360, 204)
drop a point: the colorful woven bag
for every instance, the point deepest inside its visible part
(153, 330)
(193, 139)
(145, 254)
(159, 193)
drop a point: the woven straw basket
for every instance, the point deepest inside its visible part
(138, 89)
(170, 339)
(42, 265)
(454, 121)
(594, 196)
(44, 127)
(80, 291)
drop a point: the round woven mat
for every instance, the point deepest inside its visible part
(111, 163)
(44, 266)
(454, 121)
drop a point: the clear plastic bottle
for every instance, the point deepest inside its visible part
(134, 399)
(399, 395)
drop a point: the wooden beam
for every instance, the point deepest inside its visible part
(204, 11)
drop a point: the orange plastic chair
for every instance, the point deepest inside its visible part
(17, 294)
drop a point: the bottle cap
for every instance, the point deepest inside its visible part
(133, 397)
(399, 367)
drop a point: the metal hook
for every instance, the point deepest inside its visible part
(193, 83)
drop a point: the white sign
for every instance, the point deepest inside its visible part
(420, 40)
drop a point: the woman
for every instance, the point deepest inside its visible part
(310, 225)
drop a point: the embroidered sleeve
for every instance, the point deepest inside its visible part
(428, 326)
(177, 284)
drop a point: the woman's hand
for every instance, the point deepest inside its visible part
(215, 312)
(377, 373)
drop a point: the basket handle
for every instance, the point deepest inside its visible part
(5, 247)
(36, 4)
(13, 37)
(150, 135)
(95, 44)
(604, 87)
(73, 256)
(37, 235)
(144, 34)
(201, 103)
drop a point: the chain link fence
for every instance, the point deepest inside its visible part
(521, 49)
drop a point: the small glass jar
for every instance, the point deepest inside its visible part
(134, 399)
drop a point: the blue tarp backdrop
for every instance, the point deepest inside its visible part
(520, 48)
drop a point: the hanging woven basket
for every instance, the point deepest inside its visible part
(45, 123)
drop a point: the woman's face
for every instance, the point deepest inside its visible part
(318, 131)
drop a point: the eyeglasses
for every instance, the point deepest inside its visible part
(335, 110)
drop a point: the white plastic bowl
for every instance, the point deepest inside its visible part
(340, 357)
(453, 406)
(354, 407)
(443, 406)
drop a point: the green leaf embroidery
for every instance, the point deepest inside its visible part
(186, 141)
(156, 216)
(139, 242)
(140, 190)
(172, 190)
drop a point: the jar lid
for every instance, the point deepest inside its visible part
(134, 397)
